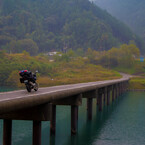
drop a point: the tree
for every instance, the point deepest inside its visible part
(2, 54)
(80, 52)
(25, 44)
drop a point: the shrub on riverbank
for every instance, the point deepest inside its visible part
(123, 59)
(61, 71)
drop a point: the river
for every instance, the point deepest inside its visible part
(122, 123)
(6, 89)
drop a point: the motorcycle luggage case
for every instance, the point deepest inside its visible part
(21, 80)
(22, 73)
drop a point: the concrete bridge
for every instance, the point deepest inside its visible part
(41, 106)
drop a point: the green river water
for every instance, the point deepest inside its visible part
(122, 123)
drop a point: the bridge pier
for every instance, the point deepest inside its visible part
(36, 132)
(97, 98)
(117, 90)
(120, 88)
(89, 108)
(124, 85)
(113, 93)
(104, 96)
(74, 119)
(7, 132)
(100, 92)
(53, 120)
(89, 96)
(74, 102)
(108, 96)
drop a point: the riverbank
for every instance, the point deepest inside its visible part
(64, 69)
(137, 84)
(73, 74)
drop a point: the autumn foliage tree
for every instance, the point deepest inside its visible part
(124, 56)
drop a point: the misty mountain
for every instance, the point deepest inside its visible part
(129, 11)
(46, 25)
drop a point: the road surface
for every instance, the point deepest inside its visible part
(15, 100)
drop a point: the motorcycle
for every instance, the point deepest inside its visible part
(29, 79)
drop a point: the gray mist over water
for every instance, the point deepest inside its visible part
(120, 124)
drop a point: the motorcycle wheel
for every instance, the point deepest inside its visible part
(28, 87)
(36, 87)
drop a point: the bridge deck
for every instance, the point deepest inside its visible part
(11, 101)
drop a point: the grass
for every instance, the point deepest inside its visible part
(138, 68)
(72, 75)
(137, 83)
(125, 70)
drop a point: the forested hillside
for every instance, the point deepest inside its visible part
(46, 25)
(130, 11)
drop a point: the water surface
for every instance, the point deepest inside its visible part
(6, 89)
(123, 123)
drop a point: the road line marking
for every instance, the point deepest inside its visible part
(26, 96)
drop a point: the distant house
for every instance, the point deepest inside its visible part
(141, 59)
(52, 53)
